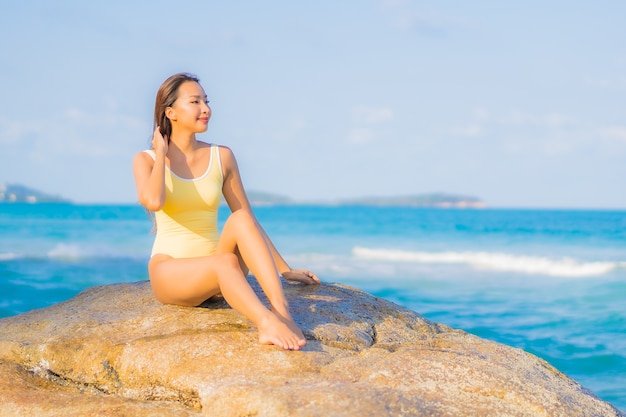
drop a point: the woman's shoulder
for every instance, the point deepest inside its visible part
(224, 150)
(145, 155)
(144, 160)
(227, 158)
(211, 144)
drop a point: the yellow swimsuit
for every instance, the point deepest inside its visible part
(187, 222)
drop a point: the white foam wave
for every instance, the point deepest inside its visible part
(68, 252)
(78, 252)
(7, 256)
(564, 267)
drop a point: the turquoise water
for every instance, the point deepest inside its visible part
(550, 282)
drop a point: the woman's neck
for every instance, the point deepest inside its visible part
(184, 143)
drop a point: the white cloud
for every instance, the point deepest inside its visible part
(231, 37)
(615, 83)
(372, 115)
(551, 120)
(481, 114)
(614, 132)
(368, 123)
(361, 135)
(597, 82)
(74, 114)
(288, 131)
(79, 117)
(557, 120)
(391, 4)
(73, 132)
(551, 134)
(472, 131)
(480, 117)
(426, 22)
(15, 131)
(519, 118)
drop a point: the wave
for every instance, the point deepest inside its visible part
(7, 256)
(64, 252)
(67, 252)
(77, 252)
(535, 265)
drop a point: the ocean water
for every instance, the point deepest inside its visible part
(551, 282)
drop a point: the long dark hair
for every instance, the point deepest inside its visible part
(166, 96)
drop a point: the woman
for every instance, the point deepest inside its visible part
(182, 180)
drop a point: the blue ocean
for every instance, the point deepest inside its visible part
(551, 282)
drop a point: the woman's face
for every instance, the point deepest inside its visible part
(190, 111)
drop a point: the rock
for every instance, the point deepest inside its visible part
(116, 351)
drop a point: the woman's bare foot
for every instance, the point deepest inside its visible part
(282, 311)
(273, 330)
(288, 320)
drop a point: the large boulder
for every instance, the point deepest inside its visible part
(114, 350)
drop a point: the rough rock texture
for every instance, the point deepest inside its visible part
(116, 351)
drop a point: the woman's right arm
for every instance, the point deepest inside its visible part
(150, 174)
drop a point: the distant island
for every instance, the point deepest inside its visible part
(439, 200)
(17, 193)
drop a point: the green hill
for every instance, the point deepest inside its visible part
(441, 200)
(17, 193)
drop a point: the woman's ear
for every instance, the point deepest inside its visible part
(170, 114)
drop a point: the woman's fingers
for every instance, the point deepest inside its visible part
(158, 141)
(301, 275)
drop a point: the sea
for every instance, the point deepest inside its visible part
(551, 282)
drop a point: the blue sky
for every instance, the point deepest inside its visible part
(521, 104)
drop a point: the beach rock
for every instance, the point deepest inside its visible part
(116, 351)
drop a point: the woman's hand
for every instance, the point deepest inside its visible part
(159, 143)
(301, 275)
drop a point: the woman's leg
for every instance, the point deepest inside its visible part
(190, 281)
(241, 233)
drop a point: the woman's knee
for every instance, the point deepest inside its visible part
(227, 262)
(241, 217)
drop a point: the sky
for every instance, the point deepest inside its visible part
(520, 104)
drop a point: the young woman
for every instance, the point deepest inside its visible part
(182, 180)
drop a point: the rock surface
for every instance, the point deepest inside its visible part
(116, 351)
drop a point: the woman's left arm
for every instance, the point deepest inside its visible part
(236, 198)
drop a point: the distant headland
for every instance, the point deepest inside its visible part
(440, 200)
(17, 193)
(437, 200)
